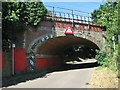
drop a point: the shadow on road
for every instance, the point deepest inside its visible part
(23, 77)
(66, 67)
(33, 75)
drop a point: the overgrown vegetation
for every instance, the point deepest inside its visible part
(107, 15)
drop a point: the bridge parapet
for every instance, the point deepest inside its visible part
(69, 15)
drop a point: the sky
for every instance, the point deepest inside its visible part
(80, 6)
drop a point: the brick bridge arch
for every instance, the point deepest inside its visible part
(50, 45)
(47, 30)
(48, 38)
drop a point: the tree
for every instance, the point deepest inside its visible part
(29, 13)
(107, 15)
(17, 15)
(119, 34)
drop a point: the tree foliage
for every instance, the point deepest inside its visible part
(17, 15)
(29, 13)
(107, 15)
(119, 42)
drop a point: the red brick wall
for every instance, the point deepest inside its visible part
(42, 63)
(1, 60)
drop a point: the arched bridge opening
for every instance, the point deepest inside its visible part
(63, 45)
(58, 45)
(59, 50)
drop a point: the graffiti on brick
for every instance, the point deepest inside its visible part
(40, 40)
(31, 54)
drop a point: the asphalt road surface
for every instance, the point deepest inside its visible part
(71, 76)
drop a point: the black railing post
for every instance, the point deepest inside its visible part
(81, 18)
(88, 17)
(88, 21)
(69, 17)
(72, 18)
(64, 17)
(53, 12)
(84, 19)
(77, 17)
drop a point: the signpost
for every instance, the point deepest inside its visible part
(13, 46)
(119, 38)
(69, 30)
(113, 38)
(119, 54)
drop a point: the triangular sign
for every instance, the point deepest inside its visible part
(69, 30)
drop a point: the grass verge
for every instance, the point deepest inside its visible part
(104, 78)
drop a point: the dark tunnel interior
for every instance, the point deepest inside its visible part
(80, 51)
(68, 48)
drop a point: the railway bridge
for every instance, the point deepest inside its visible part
(49, 43)
(50, 40)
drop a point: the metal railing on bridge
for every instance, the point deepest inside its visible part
(69, 15)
